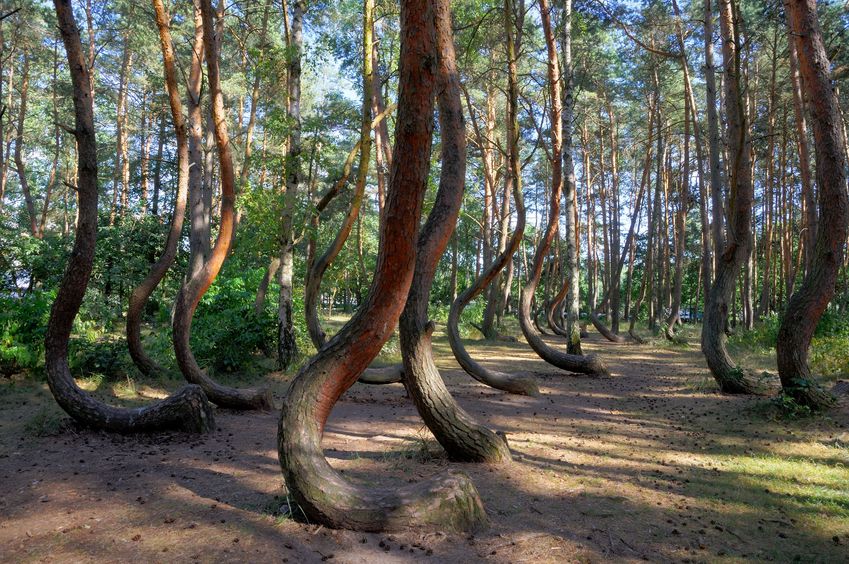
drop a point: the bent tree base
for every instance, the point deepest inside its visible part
(188, 409)
(450, 501)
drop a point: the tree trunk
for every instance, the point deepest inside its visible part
(121, 174)
(157, 167)
(199, 224)
(142, 292)
(680, 232)
(322, 493)
(320, 266)
(262, 290)
(191, 293)
(728, 375)
(512, 383)
(19, 151)
(287, 346)
(316, 269)
(186, 410)
(717, 209)
(464, 439)
(811, 298)
(570, 212)
(574, 363)
(809, 236)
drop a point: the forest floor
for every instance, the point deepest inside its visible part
(651, 463)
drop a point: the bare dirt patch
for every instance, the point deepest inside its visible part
(651, 463)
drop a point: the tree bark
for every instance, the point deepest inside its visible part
(199, 214)
(320, 266)
(512, 383)
(808, 239)
(570, 212)
(730, 377)
(186, 410)
(323, 494)
(809, 301)
(464, 439)
(191, 293)
(717, 210)
(287, 346)
(142, 292)
(315, 273)
(19, 151)
(589, 364)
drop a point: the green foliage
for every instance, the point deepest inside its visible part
(788, 408)
(226, 332)
(763, 336)
(23, 323)
(102, 356)
(829, 354)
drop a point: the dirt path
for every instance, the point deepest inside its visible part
(651, 463)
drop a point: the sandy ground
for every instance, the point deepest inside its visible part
(649, 464)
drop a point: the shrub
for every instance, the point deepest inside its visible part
(226, 332)
(23, 323)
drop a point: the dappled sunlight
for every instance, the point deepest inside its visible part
(699, 475)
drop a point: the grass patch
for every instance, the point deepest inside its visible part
(45, 423)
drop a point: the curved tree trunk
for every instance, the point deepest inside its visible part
(142, 292)
(319, 267)
(513, 383)
(644, 181)
(464, 439)
(728, 375)
(556, 308)
(589, 364)
(808, 302)
(191, 293)
(322, 493)
(186, 410)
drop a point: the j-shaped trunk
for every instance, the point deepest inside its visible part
(192, 292)
(186, 410)
(809, 301)
(463, 438)
(322, 493)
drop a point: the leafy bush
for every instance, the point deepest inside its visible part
(23, 323)
(788, 408)
(106, 357)
(763, 336)
(226, 332)
(830, 355)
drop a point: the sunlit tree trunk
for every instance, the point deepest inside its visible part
(319, 267)
(199, 226)
(814, 293)
(463, 438)
(142, 292)
(575, 363)
(191, 293)
(324, 495)
(287, 346)
(186, 410)
(728, 375)
(570, 211)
